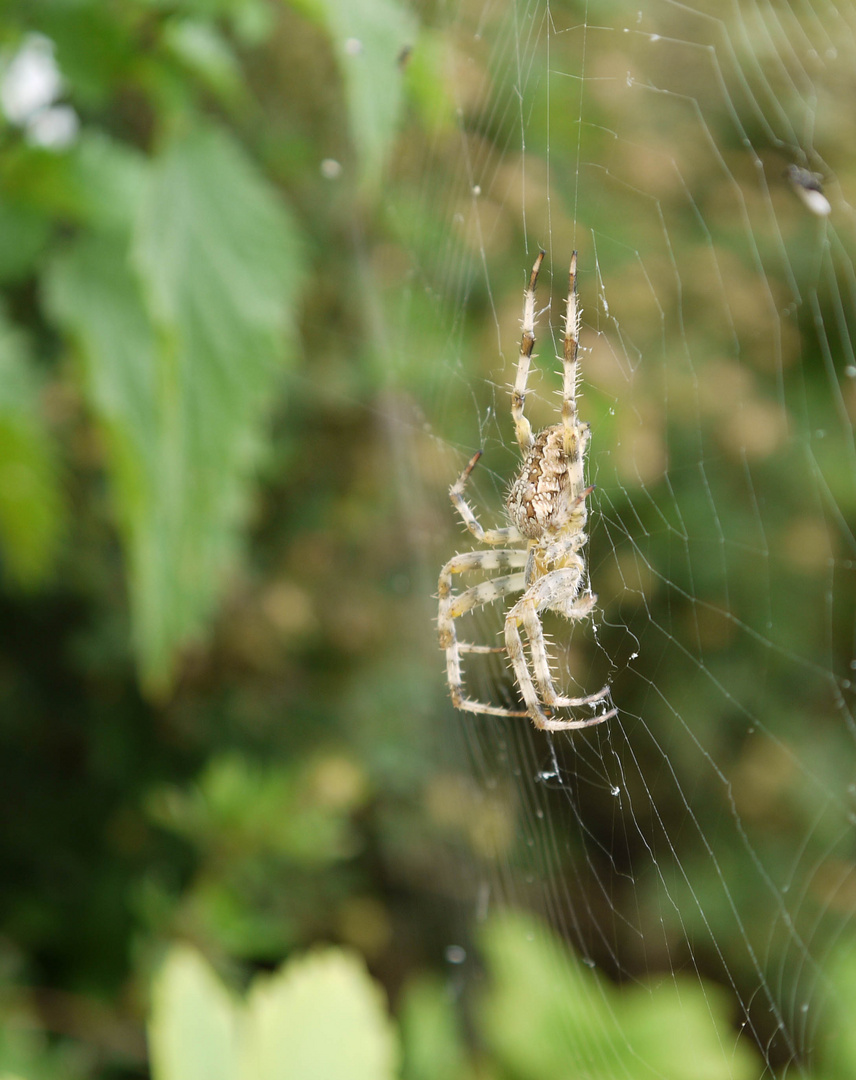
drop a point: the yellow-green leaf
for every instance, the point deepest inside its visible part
(319, 1018)
(194, 1025)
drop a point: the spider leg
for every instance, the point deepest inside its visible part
(474, 706)
(537, 688)
(495, 559)
(486, 592)
(453, 605)
(484, 536)
(522, 427)
(570, 365)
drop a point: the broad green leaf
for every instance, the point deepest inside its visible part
(93, 294)
(544, 1015)
(199, 45)
(548, 1015)
(31, 506)
(681, 1028)
(194, 1026)
(24, 234)
(368, 37)
(108, 178)
(319, 1018)
(836, 1049)
(426, 80)
(183, 342)
(431, 1032)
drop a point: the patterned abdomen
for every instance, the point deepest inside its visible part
(540, 495)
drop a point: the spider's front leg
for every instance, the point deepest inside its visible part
(558, 590)
(508, 535)
(522, 427)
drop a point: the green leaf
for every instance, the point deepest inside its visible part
(544, 1015)
(31, 505)
(194, 1026)
(548, 1015)
(680, 1028)
(200, 46)
(431, 1032)
(108, 178)
(319, 1018)
(427, 82)
(91, 291)
(368, 37)
(24, 234)
(184, 342)
(837, 1046)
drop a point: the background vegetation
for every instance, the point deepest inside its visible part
(221, 706)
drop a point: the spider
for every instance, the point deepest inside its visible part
(541, 547)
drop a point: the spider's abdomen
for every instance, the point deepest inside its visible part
(547, 482)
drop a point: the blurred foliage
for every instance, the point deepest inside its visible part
(171, 271)
(226, 301)
(179, 528)
(318, 1017)
(30, 485)
(548, 1015)
(539, 1014)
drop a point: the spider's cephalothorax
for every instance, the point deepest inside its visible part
(547, 508)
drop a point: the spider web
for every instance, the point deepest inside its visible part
(694, 155)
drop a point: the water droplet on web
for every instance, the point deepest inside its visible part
(330, 169)
(455, 954)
